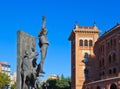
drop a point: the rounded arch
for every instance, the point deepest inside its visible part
(114, 57)
(90, 43)
(100, 64)
(110, 59)
(103, 62)
(110, 71)
(98, 87)
(111, 42)
(103, 73)
(113, 86)
(85, 42)
(114, 70)
(81, 42)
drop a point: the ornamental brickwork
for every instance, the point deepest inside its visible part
(82, 41)
(95, 61)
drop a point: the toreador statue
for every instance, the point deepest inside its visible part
(30, 70)
(43, 44)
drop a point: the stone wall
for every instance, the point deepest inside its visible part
(24, 43)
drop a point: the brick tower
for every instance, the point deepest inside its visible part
(82, 41)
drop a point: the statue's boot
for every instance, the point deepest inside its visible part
(40, 70)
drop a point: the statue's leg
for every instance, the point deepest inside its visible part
(32, 79)
(43, 55)
(24, 81)
(22, 78)
(35, 87)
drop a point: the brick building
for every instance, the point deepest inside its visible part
(95, 61)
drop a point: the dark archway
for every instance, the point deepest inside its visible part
(98, 87)
(113, 86)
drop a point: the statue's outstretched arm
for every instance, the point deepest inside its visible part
(44, 22)
(43, 26)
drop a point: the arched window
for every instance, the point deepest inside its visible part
(103, 73)
(113, 86)
(110, 59)
(98, 87)
(81, 42)
(110, 72)
(114, 57)
(103, 61)
(85, 43)
(114, 70)
(100, 74)
(114, 42)
(111, 42)
(90, 43)
(100, 64)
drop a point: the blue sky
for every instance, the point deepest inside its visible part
(61, 16)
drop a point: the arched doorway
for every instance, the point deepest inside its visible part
(98, 87)
(113, 86)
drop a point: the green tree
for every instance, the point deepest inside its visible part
(13, 86)
(4, 80)
(59, 83)
(51, 83)
(63, 83)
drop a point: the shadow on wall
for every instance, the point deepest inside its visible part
(88, 71)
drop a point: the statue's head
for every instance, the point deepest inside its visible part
(26, 53)
(33, 52)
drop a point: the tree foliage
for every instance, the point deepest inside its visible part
(4, 80)
(59, 83)
(13, 86)
(63, 83)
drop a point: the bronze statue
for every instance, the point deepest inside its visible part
(28, 70)
(43, 44)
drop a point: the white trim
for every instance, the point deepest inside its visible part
(85, 38)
